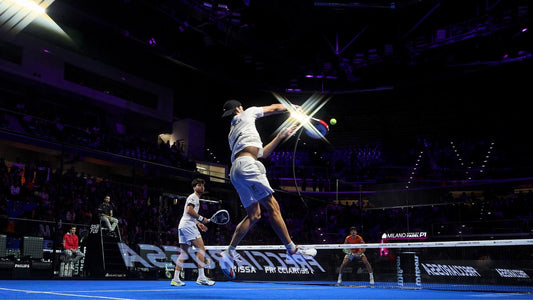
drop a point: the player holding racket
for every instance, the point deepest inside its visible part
(188, 234)
(358, 253)
(248, 176)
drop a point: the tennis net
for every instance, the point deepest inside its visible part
(483, 265)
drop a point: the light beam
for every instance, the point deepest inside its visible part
(302, 117)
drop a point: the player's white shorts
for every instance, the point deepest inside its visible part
(188, 234)
(351, 256)
(249, 179)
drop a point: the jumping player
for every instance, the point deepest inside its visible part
(248, 176)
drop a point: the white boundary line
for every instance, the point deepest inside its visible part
(179, 290)
(63, 294)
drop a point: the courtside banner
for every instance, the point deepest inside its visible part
(403, 268)
(275, 265)
(494, 272)
(249, 264)
(415, 270)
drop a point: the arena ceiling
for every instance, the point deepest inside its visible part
(398, 70)
(309, 45)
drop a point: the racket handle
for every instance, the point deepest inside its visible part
(296, 109)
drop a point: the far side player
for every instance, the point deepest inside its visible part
(356, 253)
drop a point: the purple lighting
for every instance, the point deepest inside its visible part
(320, 76)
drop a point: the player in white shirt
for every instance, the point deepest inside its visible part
(248, 176)
(188, 234)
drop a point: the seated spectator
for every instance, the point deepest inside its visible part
(70, 245)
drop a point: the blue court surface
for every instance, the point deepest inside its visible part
(161, 289)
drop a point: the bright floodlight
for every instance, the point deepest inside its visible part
(15, 15)
(30, 5)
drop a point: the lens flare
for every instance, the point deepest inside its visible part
(302, 117)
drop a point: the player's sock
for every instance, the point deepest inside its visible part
(291, 247)
(176, 275)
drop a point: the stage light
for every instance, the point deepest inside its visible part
(30, 5)
(15, 15)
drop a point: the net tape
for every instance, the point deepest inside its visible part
(510, 242)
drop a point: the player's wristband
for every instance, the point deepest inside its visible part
(200, 218)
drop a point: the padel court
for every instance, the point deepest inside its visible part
(161, 289)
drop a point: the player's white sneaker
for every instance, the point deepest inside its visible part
(371, 279)
(238, 258)
(205, 281)
(177, 283)
(339, 282)
(226, 264)
(306, 253)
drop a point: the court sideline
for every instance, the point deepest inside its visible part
(160, 289)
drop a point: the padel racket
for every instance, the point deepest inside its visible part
(320, 130)
(316, 128)
(221, 217)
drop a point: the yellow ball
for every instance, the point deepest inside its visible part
(333, 121)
